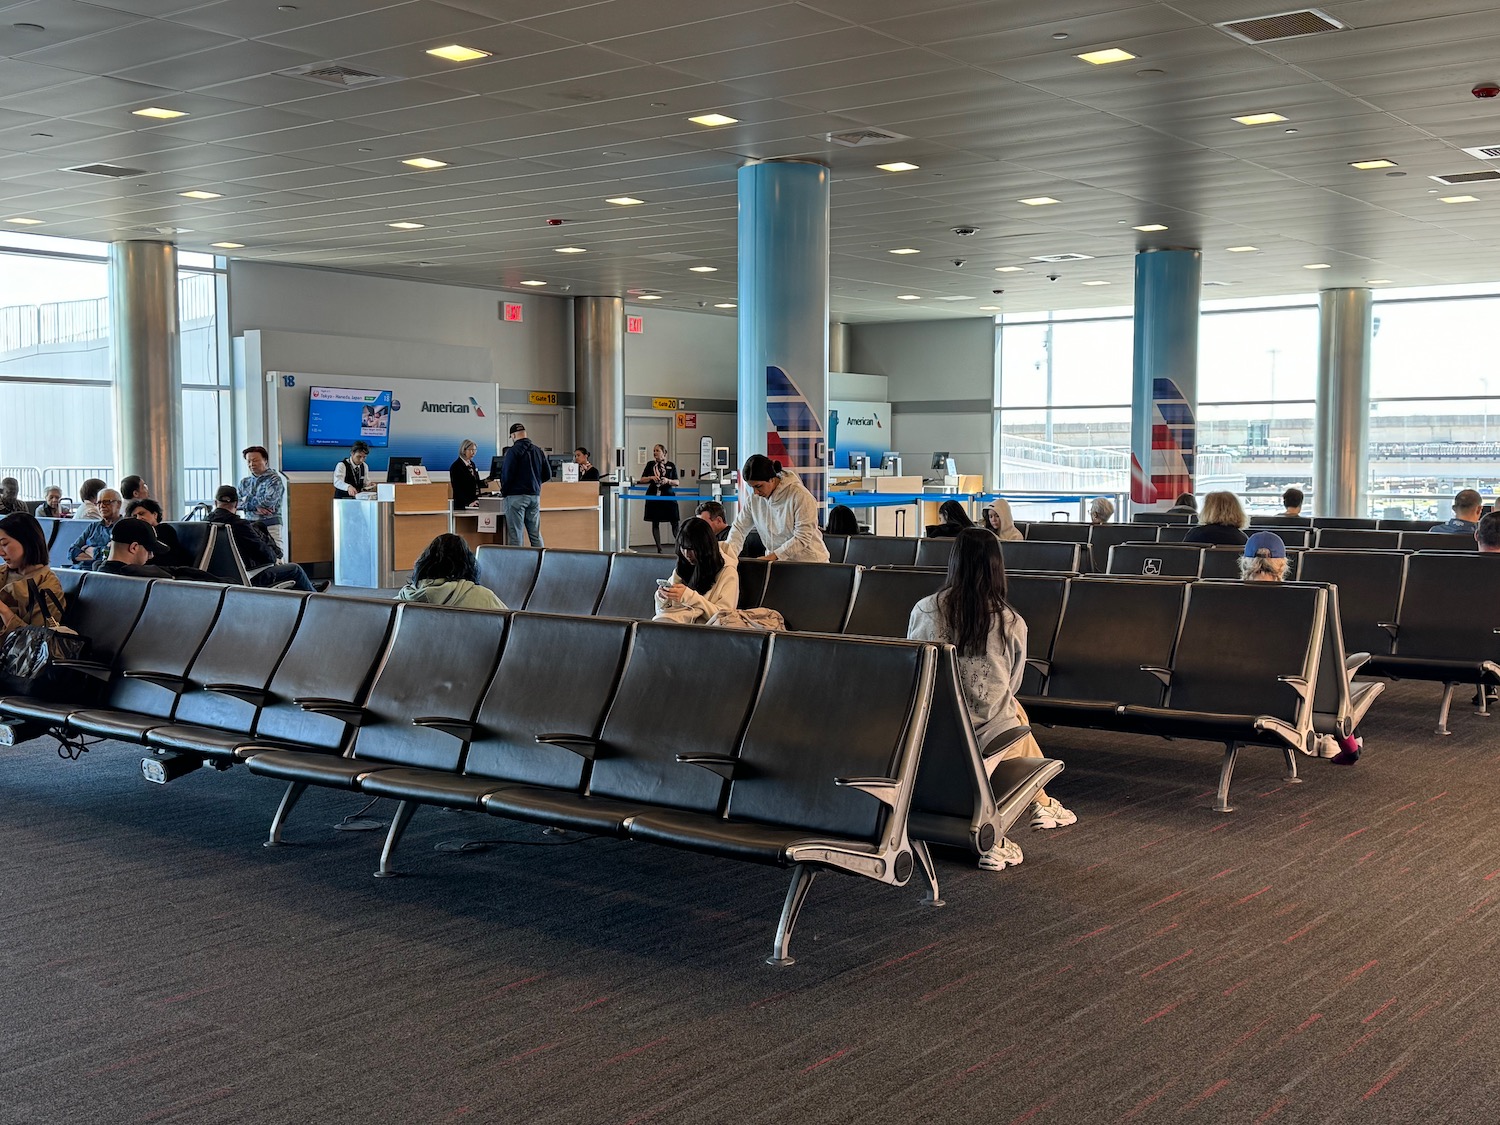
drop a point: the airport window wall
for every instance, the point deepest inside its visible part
(56, 391)
(1063, 384)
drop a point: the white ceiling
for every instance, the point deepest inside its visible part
(586, 100)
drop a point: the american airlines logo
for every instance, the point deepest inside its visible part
(444, 408)
(870, 421)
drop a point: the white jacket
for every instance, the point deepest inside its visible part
(990, 681)
(787, 521)
(724, 594)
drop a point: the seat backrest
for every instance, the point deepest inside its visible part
(193, 537)
(1105, 535)
(313, 669)
(853, 703)
(1444, 615)
(1165, 560)
(1060, 558)
(811, 597)
(1038, 599)
(243, 649)
(884, 599)
(1174, 532)
(1368, 585)
(104, 609)
(508, 572)
(439, 665)
(541, 652)
(568, 582)
(1437, 541)
(837, 545)
(71, 581)
(1164, 517)
(631, 587)
(1223, 562)
(1291, 536)
(1280, 521)
(1237, 638)
(1353, 523)
(54, 529)
(1058, 531)
(222, 559)
(171, 629)
(648, 725)
(934, 552)
(1357, 539)
(881, 550)
(1331, 693)
(753, 575)
(1406, 525)
(1109, 629)
(946, 776)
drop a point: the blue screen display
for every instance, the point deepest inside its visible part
(342, 415)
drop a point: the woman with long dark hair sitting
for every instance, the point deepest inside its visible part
(447, 573)
(705, 581)
(970, 613)
(954, 519)
(24, 568)
(841, 521)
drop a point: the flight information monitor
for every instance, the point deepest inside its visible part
(343, 415)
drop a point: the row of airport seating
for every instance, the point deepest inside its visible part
(208, 546)
(815, 753)
(1272, 522)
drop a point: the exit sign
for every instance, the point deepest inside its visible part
(510, 312)
(635, 324)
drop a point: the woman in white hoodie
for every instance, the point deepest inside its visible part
(782, 510)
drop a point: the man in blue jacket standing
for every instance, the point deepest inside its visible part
(521, 475)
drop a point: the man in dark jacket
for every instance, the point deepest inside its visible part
(134, 549)
(522, 474)
(257, 550)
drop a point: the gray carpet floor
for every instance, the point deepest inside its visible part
(1324, 954)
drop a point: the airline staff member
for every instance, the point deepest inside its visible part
(349, 474)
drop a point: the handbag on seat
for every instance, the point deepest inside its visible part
(30, 654)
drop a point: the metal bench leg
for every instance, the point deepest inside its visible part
(933, 897)
(1442, 727)
(1290, 777)
(404, 812)
(1484, 699)
(796, 895)
(289, 801)
(1226, 771)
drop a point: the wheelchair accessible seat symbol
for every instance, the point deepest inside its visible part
(1151, 566)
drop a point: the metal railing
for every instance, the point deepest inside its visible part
(27, 327)
(200, 482)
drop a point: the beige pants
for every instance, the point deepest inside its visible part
(274, 531)
(1026, 748)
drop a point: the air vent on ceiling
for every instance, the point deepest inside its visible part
(109, 171)
(863, 138)
(1453, 178)
(1062, 257)
(1485, 152)
(336, 74)
(1283, 25)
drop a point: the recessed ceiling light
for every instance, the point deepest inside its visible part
(1096, 283)
(23, 221)
(1260, 118)
(228, 245)
(898, 166)
(158, 113)
(1459, 199)
(425, 162)
(1010, 269)
(1242, 249)
(907, 297)
(1107, 55)
(989, 308)
(406, 226)
(649, 297)
(625, 201)
(1371, 165)
(455, 52)
(713, 119)
(905, 250)
(533, 283)
(200, 194)
(726, 305)
(569, 250)
(1317, 266)
(1039, 201)
(1379, 281)
(704, 269)
(1149, 227)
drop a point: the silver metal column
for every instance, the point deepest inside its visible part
(599, 376)
(838, 346)
(1341, 441)
(147, 367)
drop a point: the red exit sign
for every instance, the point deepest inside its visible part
(510, 312)
(635, 324)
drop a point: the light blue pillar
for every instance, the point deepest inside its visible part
(783, 315)
(1164, 400)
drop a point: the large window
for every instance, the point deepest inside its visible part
(203, 344)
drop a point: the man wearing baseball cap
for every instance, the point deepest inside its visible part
(1264, 559)
(522, 473)
(132, 543)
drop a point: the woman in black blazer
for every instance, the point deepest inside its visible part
(463, 477)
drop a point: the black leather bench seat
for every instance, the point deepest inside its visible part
(734, 839)
(430, 787)
(188, 739)
(602, 815)
(127, 726)
(308, 767)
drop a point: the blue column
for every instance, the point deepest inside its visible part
(783, 315)
(1164, 400)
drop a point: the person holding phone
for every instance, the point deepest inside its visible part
(705, 581)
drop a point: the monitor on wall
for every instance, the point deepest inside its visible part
(340, 416)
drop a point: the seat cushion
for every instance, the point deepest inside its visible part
(198, 740)
(755, 843)
(1070, 712)
(560, 809)
(128, 726)
(1423, 668)
(1207, 725)
(25, 707)
(312, 768)
(431, 787)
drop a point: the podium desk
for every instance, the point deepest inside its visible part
(376, 541)
(571, 517)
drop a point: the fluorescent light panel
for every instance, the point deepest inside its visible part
(1010, 269)
(228, 245)
(907, 297)
(898, 166)
(195, 194)
(904, 250)
(1459, 199)
(533, 283)
(425, 163)
(713, 120)
(159, 114)
(649, 297)
(1149, 227)
(625, 201)
(1371, 165)
(1039, 201)
(457, 52)
(406, 226)
(1241, 249)
(569, 250)
(726, 305)
(703, 269)
(1106, 55)
(1260, 118)
(1317, 266)
(24, 221)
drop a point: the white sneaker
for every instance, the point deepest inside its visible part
(1004, 854)
(1050, 814)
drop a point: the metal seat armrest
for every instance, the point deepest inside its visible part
(883, 789)
(1297, 684)
(255, 696)
(1355, 661)
(581, 744)
(1390, 627)
(1003, 742)
(160, 679)
(351, 713)
(726, 767)
(1042, 666)
(85, 667)
(460, 729)
(1162, 674)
